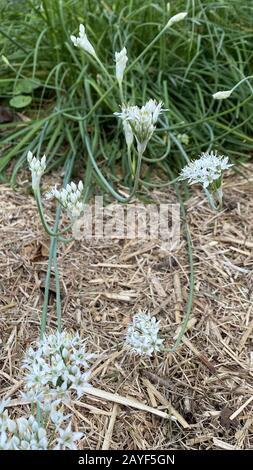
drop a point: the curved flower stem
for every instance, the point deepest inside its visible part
(104, 180)
(131, 65)
(179, 145)
(103, 68)
(66, 240)
(242, 81)
(43, 220)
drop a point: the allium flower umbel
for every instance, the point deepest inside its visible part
(142, 334)
(27, 434)
(83, 42)
(37, 168)
(206, 170)
(22, 433)
(142, 121)
(121, 61)
(56, 368)
(71, 198)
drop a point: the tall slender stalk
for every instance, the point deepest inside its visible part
(52, 260)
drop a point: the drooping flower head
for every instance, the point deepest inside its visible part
(56, 368)
(71, 198)
(83, 42)
(37, 167)
(222, 95)
(142, 334)
(176, 18)
(142, 121)
(121, 61)
(206, 170)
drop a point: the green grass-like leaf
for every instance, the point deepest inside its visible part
(210, 50)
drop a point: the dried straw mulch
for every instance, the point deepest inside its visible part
(206, 384)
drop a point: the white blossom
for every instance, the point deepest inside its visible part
(67, 438)
(27, 434)
(21, 433)
(37, 168)
(83, 42)
(176, 18)
(128, 133)
(142, 334)
(70, 198)
(222, 95)
(206, 170)
(121, 61)
(142, 122)
(56, 368)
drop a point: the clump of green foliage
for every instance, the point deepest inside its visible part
(67, 96)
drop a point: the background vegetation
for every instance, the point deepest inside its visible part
(68, 97)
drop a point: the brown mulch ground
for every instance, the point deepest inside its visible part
(208, 380)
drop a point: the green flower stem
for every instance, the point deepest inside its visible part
(57, 288)
(154, 40)
(210, 199)
(104, 181)
(129, 159)
(135, 61)
(190, 258)
(66, 240)
(191, 291)
(241, 81)
(43, 220)
(121, 94)
(159, 185)
(103, 68)
(219, 195)
(52, 259)
(179, 145)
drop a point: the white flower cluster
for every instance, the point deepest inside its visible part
(56, 367)
(28, 434)
(20, 434)
(121, 61)
(206, 170)
(37, 168)
(83, 42)
(142, 334)
(141, 121)
(70, 198)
